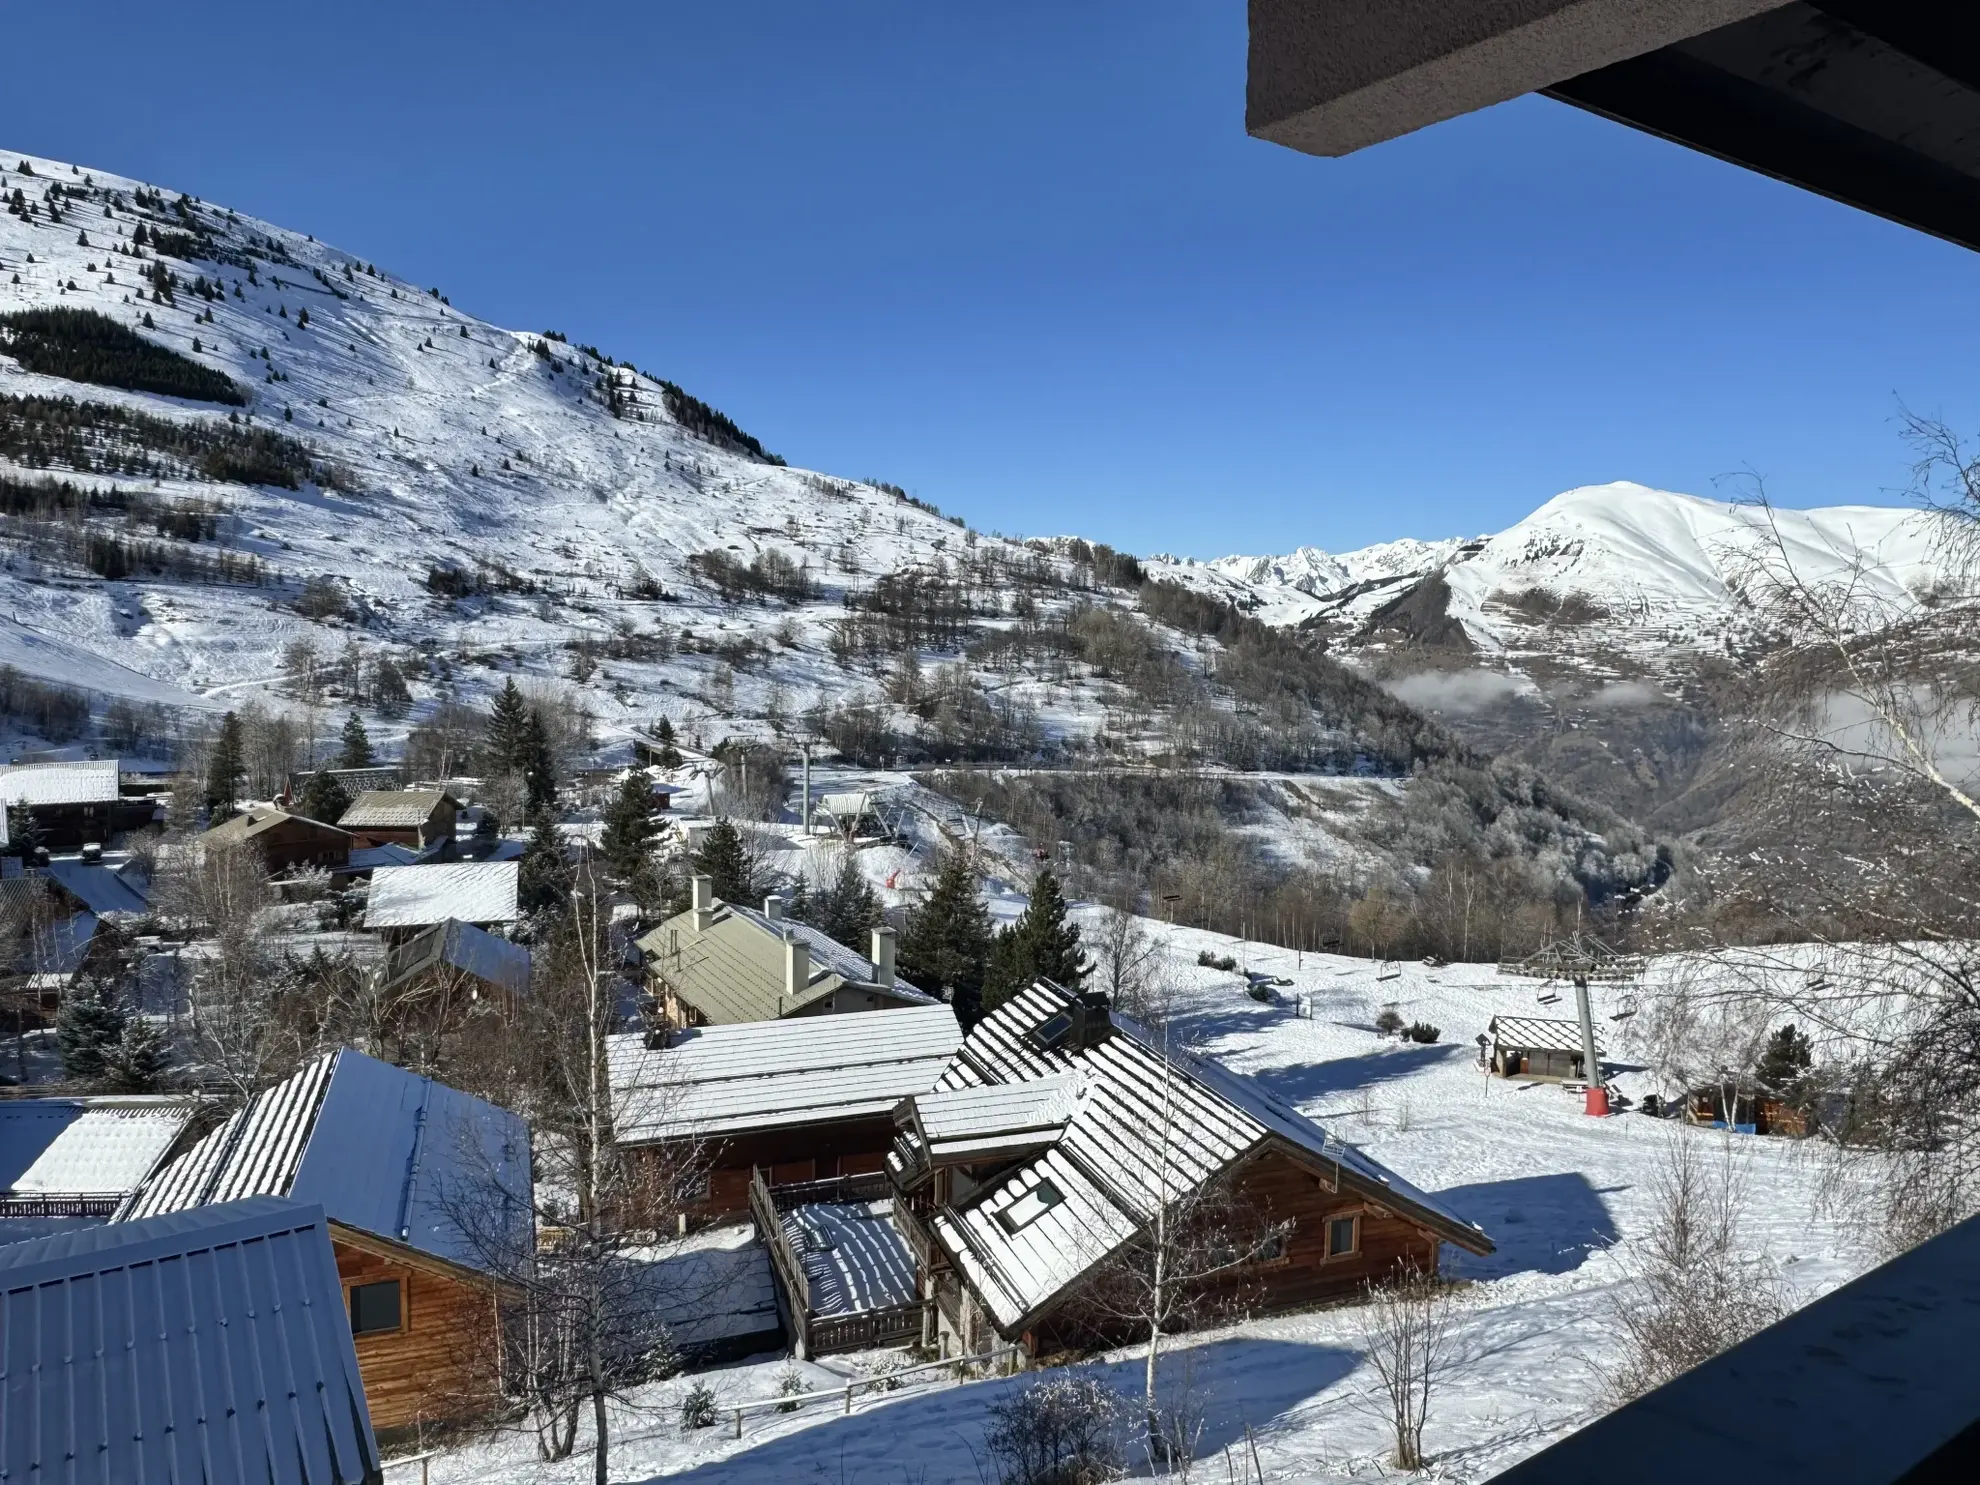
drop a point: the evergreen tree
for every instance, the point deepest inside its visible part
(139, 1061)
(538, 765)
(1041, 944)
(23, 832)
(543, 877)
(226, 768)
(87, 1029)
(630, 825)
(725, 858)
(323, 798)
(1785, 1062)
(356, 750)
(945, 944)
(845, 909)
(508, 729)
(668, 755)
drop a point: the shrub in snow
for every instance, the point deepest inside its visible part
(698, 1407)
(1216, 961)
(1065, 1431)
(1422, 1031)
(1389, 1022)
(790, 1384)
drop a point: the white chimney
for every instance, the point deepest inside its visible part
(797, 965)
(883, 956)
(704, 903)
(773, 909)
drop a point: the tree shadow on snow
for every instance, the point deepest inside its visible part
(1302, 1082)
(1542, 1224)
(938, 1439)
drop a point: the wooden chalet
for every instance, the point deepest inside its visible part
(801, 1100)
(491, 965)
(1059, 1130)
(73, 803)
(68, 1163)
(1752, 1110)
(1549, 1051)
(426, 1191)
(720, 964)
(285, 841)
(406, 817)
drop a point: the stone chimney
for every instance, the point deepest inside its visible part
(883, 956)
(797, 965)
(704, 903)
(773, 909)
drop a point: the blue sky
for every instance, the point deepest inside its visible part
(1023, 260)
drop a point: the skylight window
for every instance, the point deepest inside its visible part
(1051, 1034)
(1029, 1207)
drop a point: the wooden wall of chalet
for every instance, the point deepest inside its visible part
(1275, 1188)
(441, 1364)
(300, 842)
(805, 1152)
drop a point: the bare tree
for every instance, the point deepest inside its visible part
(1128, 961)
(222, 891)
(1695, 1292)
(1186, 1265)
(588, 1302)
(1410, 1333)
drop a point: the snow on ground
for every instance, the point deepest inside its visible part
(1566, 1198)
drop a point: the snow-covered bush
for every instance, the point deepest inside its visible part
(698, 1407)
(1063, 1431)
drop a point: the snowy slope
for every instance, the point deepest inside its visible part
(422, 403)
(1569, 1201)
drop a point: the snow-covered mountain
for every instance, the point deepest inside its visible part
(569, 491)
(1637, 566)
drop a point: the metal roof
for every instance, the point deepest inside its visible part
(382, 1150)
(773, 1074)
(416, 896)
(206, 1347)
(370, 858)
(86, 1146)
(392, 809)
(959, 1122)
(1534, 1035)
(88, 781)
(1148, 1125)
(734, 970)
(464, 947)
(99, 888)
(257, 820)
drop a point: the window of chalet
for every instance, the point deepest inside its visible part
(1343, 1236)
(1029, 1207)
(375, 1308)
(1049, 1035)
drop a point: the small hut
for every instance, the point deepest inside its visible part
(1526, 1047)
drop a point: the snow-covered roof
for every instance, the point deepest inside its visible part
(416, 896)
(392, 809)
(100, 889)
(382, 1150)
(1534, 1035)
(188, 1347)
(469, 949)
(86, 781)
(973, 1122)
(1148, 1124)
(86, 1146)
(733, 970)
(721, 1080)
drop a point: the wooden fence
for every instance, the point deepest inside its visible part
(812, 1333)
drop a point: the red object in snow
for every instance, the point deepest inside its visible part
(1598, 1102)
